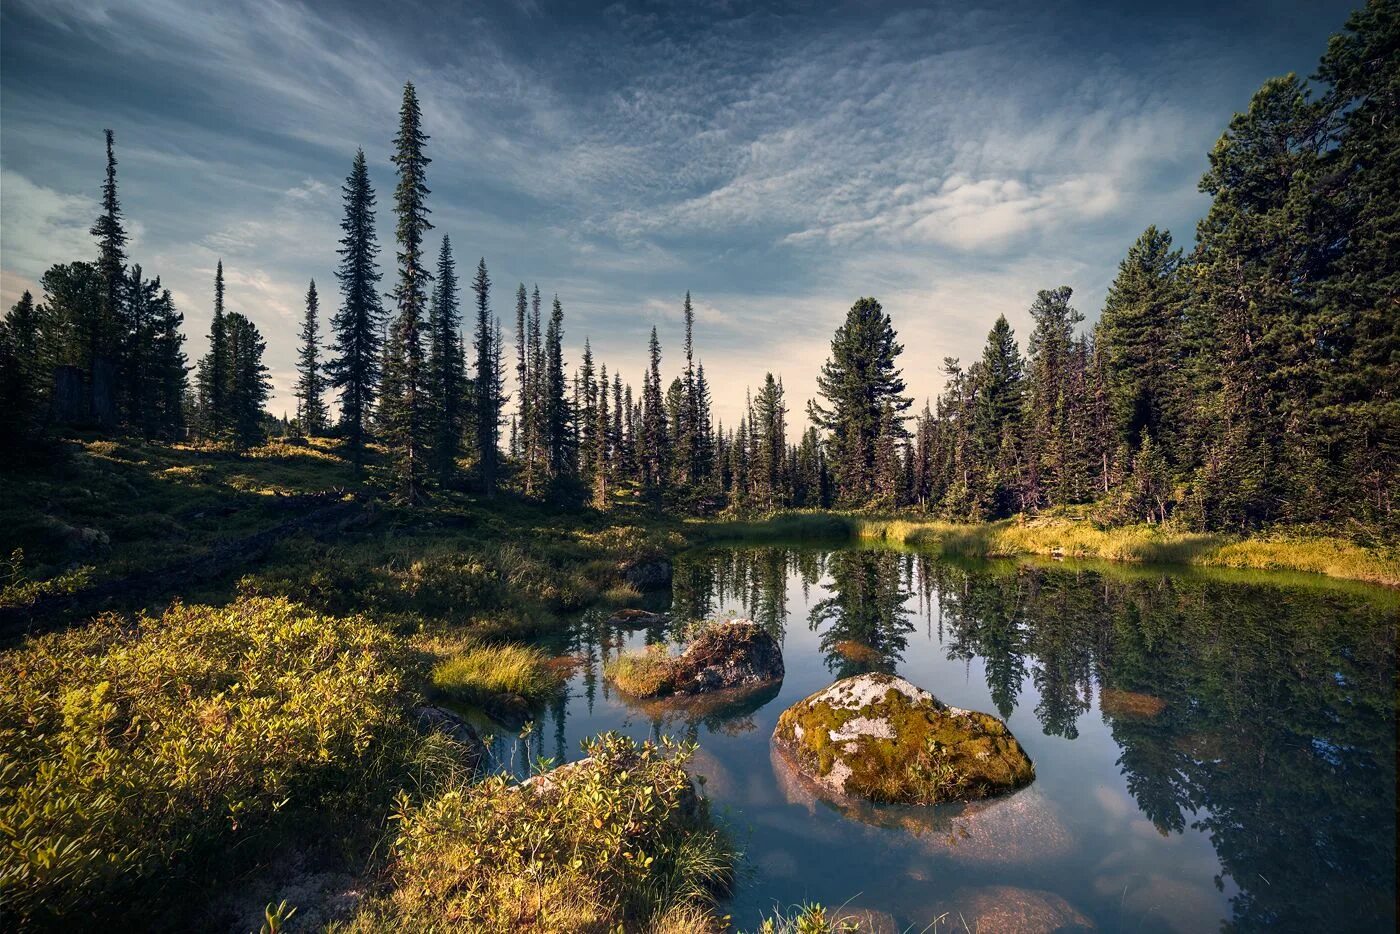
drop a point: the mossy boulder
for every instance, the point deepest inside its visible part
(879, 738)
(735, 654)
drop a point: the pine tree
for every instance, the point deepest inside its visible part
(215, 376)
(248, 384)
(769, 426)
(1140, 335)
(487, 383)
(858, 381)
(355, 369)
(106, 333)
(169, 367)
(687, 429)
(403, 407)
(21, 374)
(445, 375)
(655, 440)
(1049, 458)
(311, 407)
(557, 414)
(997, 422)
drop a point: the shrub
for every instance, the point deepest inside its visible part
(616, 840)
(131, 749)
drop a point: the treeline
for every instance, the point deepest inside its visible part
(1252, 381)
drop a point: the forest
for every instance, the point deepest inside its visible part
(1247, 383)
(236, 643)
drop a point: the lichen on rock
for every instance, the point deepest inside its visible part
(876, 736)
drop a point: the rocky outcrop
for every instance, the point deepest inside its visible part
(879, 738)
(731, 655)
(648, 573)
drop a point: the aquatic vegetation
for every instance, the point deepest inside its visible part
(475, 673)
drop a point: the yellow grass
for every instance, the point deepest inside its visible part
(1060, 537)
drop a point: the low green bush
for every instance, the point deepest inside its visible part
(616, 842)
(134, 752)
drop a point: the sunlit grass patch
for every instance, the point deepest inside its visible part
(476, 673)
(645, 673)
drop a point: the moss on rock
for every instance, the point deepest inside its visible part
(878, 737)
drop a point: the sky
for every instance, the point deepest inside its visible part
(777, 160)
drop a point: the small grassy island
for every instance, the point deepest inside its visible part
(319, 671)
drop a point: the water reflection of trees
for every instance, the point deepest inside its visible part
(1276, 730)
(864, 625)
(1276, 734)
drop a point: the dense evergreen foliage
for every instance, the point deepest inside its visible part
(1246, 381)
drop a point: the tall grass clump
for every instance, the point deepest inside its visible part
(645, 673)
(475, 673)
(135, 754)
(617, 841)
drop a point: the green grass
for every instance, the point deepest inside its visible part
(476, 673)
(644, 673)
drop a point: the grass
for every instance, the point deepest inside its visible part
(644, 673)
(477, 673)
(1064, 536)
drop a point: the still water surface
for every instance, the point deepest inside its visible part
(1211, 749)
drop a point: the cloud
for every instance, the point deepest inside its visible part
(40, 226)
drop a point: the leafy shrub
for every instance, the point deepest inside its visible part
(128, 750)
(616, 840)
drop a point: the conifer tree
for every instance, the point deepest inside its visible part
(1049, 457)
(446, 376)
(355, 369)
(488, 388)
(769, 426)
(21, 374)
(248, 384)
(215, 375)
(557, 415)
(106, 333)
(403, 407)
(858, 381)
(997, 425)
(1140, 337)
(655, 440)
(311, 407)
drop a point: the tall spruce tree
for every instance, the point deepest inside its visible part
(354, 371)
(857, 382)
(446, 379)
(248, 383)
(489, 402)
(1140, 336)
(311, 407)
(655, 439)
(107, 333)
(403, 408)
(1051, 360)
(997, 425)
(215, 376)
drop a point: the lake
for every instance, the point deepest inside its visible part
(1211, 748)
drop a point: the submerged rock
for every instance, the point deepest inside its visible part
(648, 574)
(877, 737)
(736, 654)
(1020, 911)
(1117, 703)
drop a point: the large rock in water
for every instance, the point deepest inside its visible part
(878, 737)
(736, 654)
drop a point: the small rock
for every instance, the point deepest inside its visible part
(878, 737)
(441, 720)
(1020, 911)
(637, 619)
(648, 574)
(736, 654)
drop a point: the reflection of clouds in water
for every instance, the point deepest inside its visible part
(1019, 828)
(1010, 910)
(1161, 901)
